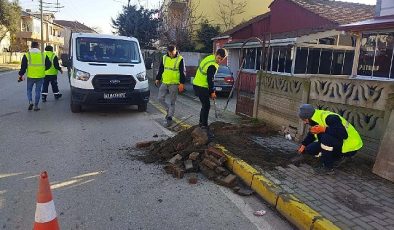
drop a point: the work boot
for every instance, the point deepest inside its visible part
(342, 161)
(324, 171)
(58, 96)
(44, 98)
(36, 108)
(30, 106)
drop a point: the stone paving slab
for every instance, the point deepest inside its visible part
(346, 199)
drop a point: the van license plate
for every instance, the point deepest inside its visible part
(114, 95)
(218, 88)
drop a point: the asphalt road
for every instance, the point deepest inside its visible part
(95, 182)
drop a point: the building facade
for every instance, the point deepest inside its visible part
(183, 14)
(31, 30)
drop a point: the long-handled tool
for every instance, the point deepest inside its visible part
(180, 122)
(216, 109)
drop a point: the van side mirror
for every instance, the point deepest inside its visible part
(148, 63)
(65, 60)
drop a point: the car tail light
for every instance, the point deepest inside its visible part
(229, 79)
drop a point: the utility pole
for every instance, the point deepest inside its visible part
(42, 27)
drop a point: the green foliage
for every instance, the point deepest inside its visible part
(10, 16)
(139, 23)
(205, 35)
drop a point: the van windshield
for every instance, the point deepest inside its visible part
(107, 50)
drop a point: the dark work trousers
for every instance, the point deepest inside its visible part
(203, 94)
(53, 80)
(329, 146)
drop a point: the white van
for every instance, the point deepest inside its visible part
(106, 69)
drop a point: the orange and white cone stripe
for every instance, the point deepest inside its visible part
(45, 217)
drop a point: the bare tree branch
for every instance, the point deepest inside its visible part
(228, 9)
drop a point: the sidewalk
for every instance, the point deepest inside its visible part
(351, 199)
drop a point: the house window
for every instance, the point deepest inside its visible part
(323, 61)
(376, 55)
(301, 58)
(250, 58)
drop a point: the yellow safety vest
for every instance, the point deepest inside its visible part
(52, 71)
(171, 74)
(353, 142)
(201, 75)
(35, 65)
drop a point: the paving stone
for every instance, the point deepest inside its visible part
(347, 222)
(345, 214)
(377, 226)
(328, 210)
(362, 224)
(377, 220)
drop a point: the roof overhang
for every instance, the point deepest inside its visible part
(220, 37)
(379, 23)
(285, 41)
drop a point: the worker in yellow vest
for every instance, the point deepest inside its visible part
(34, 63)
(51, 75)
(330, 137)
(172, 75)
(203, 84)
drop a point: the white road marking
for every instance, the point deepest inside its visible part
(261, 222)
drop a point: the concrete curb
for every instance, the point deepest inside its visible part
(296, 212)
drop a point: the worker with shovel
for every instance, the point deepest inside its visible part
(203, 84)
(330, 136)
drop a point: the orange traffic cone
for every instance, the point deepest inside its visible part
(45, 218)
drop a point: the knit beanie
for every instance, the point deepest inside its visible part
(306, 111)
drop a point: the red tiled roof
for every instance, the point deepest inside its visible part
(75, 26)
(337, 11)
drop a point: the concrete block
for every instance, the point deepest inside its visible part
(220, 170)
(169, 168)
(194, 155)
(188, 165)
(176, 158)
(209, 164)
(230, 179)
(178, 172)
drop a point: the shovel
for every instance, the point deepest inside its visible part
(216, 109)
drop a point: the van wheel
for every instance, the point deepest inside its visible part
(75, 108)
(142, 107)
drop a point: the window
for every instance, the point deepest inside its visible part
(367, 52)
(301, 57)
(376, 55)
(275, 56)
(383, 56)
(313, 61)
(323, 61)
(107, 50)
(250, 58)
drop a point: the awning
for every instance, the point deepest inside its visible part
(378, 23)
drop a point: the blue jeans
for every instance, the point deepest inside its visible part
(30, 83)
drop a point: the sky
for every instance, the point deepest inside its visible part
(93, 13)
(98, 13)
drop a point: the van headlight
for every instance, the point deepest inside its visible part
(81, 75)
(141, 76)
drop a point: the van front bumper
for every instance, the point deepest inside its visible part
(92, 97)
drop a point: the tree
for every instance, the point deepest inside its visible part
(10, 16)
(228, 9)
(205, 34)
(179, 26)
(138, 22)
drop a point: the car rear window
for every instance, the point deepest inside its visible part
(224, 70)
